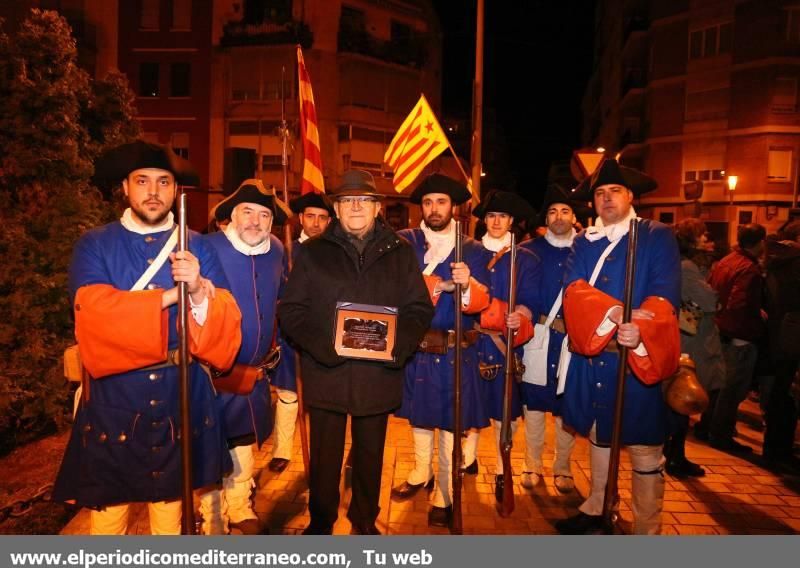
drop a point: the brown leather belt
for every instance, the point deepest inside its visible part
(557, 324)
(439, 341)
(173, 359)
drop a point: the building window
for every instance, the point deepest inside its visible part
(180, 80)
(148, 79)
(401, 33)
(779, 165)
(182, 15)
(352, 20)
(180, 144)
(271, 162)
(710, 41)
(149, 15)
(344, 132)
(784, 95)
(703, 175)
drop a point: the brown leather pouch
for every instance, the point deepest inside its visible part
(241, 379)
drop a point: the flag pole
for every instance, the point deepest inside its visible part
(477, 115)
(449, 145)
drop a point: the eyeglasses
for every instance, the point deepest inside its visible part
(349, 201)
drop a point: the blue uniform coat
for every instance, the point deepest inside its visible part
(553, 259)
(255, 283)
(124, 443)
(591, 381)
(428, 387)
(529, 274)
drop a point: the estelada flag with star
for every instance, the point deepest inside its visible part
(418, 141)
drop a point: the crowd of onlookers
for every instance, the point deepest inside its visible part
(747, 338)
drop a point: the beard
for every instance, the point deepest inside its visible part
(253, 237)
(149, 216)
(438, 222)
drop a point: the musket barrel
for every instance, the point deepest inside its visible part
(622, 371)
(187, 499)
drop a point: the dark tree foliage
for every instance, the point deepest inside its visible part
(54, 121)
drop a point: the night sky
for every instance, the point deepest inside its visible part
(538, 59)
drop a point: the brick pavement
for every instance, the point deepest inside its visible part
(737, 496)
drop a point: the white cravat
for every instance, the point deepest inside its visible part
(440, 243)
(303, 237)
(135, 226)
(495, 245)
(560, 241)
(243, 247)
(613, 232)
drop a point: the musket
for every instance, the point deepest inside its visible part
(507, 506)
(455, 523)
(187, 498)
(609, 517)
(287, 242)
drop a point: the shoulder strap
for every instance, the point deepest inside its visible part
(159, 261)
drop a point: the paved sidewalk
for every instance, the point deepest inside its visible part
(737, 496)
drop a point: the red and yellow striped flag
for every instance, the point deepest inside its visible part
(418, 141)
(312, 164)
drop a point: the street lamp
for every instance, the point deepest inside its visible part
(732, 181)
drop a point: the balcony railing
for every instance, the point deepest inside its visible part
(237, 34)
(411, 52)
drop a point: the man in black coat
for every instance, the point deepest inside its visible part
(357, 259)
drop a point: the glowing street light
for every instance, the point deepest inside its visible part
(732, 181)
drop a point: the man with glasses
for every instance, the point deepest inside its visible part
(357, 259)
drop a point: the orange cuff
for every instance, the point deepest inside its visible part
(494, 316)
(524, 333)
(585, 308)
(661, 338)
(119, 330)
(478, 297)
(218, 340)
(431, 280)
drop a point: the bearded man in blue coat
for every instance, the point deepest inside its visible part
(253, 261)
(124, 445)
(428, 392)
(594, 283)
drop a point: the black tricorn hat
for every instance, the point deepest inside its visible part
(114, 165)
(252, 191)
(438, 183)
(555, 193)
(312, 199)
(611, 172)
(504, 202)
(355, 183)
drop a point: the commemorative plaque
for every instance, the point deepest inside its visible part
(364, 331)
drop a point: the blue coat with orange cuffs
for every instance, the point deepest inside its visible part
(255, 284)
(529, 275)
(553, 259)
(124, 443)
(591, 380)
(428, 387)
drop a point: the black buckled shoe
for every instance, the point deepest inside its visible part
(278, 464)
(471, 469)
(317, 530)
(684, 468)
(580, 524)
(365, 529)
(407, 490)
(440, 516)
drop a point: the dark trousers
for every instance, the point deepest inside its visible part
(781, 415)
(368, 434)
